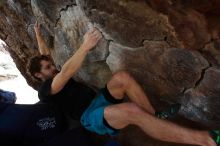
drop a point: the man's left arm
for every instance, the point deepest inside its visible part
(74, 63)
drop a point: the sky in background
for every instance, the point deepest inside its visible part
(25, 94)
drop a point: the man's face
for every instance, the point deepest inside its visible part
(48, 70)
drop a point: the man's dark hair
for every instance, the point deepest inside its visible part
(34, 64)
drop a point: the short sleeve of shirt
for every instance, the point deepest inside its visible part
(45, 90)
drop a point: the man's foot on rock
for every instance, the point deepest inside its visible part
(168, 113)
(215, 134)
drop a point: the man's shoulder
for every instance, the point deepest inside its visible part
(45, 84)
(45, 88)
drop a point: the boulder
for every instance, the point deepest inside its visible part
(171, 47)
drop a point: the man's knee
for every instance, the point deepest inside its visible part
(121, 115)
(123, 76)
(132, 111)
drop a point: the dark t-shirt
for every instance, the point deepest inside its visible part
(73, 99)
(37, 125)
(74, 137)
(28, 124)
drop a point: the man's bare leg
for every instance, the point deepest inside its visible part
(120, 115)
(122, 83)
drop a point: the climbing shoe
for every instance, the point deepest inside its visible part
(168, 113)
(215, 134)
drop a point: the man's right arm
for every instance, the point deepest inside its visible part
(43, 49)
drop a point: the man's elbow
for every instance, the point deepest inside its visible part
(58, 83)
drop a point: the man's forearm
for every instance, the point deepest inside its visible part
(68, 70)
(43, 49)
(74, 63)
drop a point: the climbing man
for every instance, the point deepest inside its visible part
(105, 112)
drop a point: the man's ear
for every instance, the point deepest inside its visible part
(38, 75)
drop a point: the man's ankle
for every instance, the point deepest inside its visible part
(207, 140)
(215, 135)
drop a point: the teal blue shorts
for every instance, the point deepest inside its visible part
(93, 117)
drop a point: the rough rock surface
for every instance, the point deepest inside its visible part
(171, 47)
